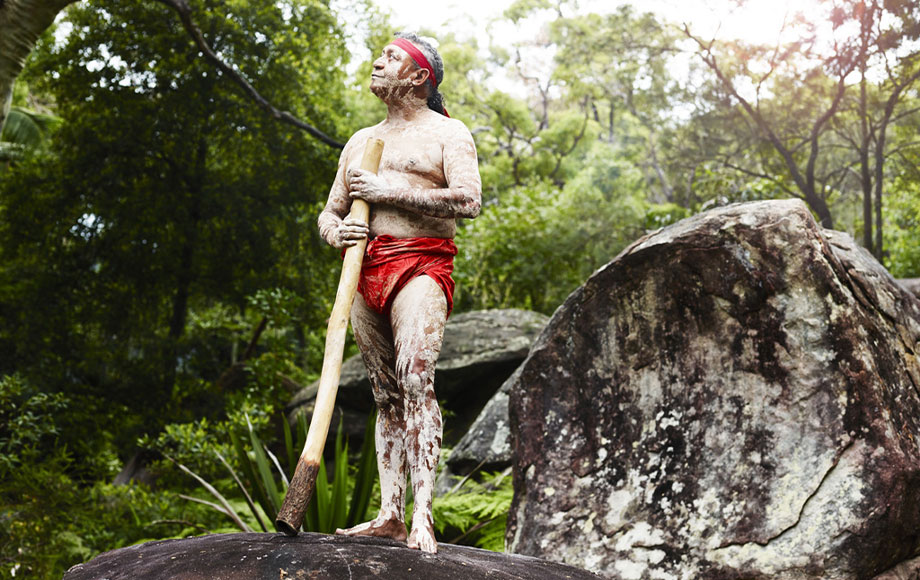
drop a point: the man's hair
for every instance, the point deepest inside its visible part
(435, 100)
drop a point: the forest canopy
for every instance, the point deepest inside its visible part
(162, 282)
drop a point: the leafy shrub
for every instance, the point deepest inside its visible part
(26, 420)
(539, 242)
(49, 518)
(903, 239)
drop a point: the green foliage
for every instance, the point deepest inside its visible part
(187, 443)
(49, 519)
(521, 9)
(570, 176)
(904, 238)
(48, 522)
(26, 421)
(165, 200)
(24, 129)
(538, 243)
(259, 478)
(902, 196)
(259, 474)
(475, 513)
(343, 502)
(664, 214)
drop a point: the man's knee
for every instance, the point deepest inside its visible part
(416, 377)
(387, 394)
(414, 385)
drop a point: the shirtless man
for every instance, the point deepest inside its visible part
(428, 178)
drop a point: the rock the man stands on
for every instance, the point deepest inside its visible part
(428, 177)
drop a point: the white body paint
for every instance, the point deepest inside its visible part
(428, 178)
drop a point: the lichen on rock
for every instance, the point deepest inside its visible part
(735, 396)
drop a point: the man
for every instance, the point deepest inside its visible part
(428, 177)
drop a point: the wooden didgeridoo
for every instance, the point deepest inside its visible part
(303, 484)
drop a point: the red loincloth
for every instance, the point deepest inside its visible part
(391, 263)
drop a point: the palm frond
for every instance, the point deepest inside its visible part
(27, 128)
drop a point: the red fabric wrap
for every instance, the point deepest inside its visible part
(391, 263)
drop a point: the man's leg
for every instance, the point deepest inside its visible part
(375, 340)
(418, 316)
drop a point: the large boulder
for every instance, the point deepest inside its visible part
(274, 556)
(912, 285)
(481, 349)
(734, 396)
(487, 443)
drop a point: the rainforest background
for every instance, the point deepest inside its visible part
(163, 289)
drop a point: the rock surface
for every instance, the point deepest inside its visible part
(487, 443)
(912, 285)
(316, 556)
(734, 396)
(486, 446)
(481, 349)
(909, 570)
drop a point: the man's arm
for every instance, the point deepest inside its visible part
(338, 230)
(461, 198)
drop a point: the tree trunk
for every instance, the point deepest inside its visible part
(185, 275)
(819, 205)
(890, 105)
(666, 189)
(610, 123)
(865, 177)
(184, 280)
(879, 244)
(21, 23)
(879, 249)
(186, 268)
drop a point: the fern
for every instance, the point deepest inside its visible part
(475, 513)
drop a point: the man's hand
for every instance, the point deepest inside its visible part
(368, 186)
(349, 233)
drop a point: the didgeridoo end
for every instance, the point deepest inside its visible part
(300, 490)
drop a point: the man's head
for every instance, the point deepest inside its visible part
(410, 62)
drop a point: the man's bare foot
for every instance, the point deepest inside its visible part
(422, 538)
(379, 528)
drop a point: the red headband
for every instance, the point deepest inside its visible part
(421, 61)
(418, 57)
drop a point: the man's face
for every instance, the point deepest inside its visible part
(392, 72)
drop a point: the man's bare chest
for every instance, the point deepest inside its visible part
(413, 158)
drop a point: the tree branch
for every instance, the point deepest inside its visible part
(806, 182)
(575, 141)
(816, 128)
(710, 60)
(544, 92)
(900, 149)
(903, 114)
(750, 173)
(181, 7)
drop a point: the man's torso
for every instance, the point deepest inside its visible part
(412, 159)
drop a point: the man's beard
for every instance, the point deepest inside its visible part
(391, 89)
